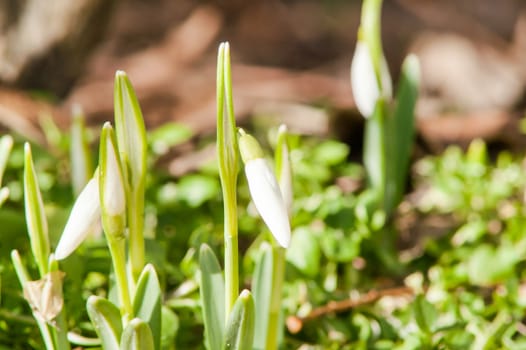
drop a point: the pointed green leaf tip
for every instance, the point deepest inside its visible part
(35, 216)
(147, 302)
(226, 124)
(239, 333)
(106, 318)
(131, 132)
(137, 336)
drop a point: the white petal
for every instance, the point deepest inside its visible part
(114, 197)
(82, 220)
(268, 200)
(363, 80)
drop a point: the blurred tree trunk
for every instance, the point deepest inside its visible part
(44, 44)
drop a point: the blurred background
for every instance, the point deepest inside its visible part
(291, 63)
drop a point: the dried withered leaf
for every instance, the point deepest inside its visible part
(45, 296)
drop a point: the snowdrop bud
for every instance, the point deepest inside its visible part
(82, 221)
(112, 192)
(364, 82)
(264, 189)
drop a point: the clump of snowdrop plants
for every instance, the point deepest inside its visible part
(389, 129)
(113, 198)
(236, 320)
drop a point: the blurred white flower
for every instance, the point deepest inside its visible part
(285, 171)
(84, 218)
(364, 82)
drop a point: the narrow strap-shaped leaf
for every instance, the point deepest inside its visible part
(106, 318)
(137, 336)
(212, 297)
(402, 128)
(239, 332)
(374, 150)
(35, 216)
(147, 302)
(262, 289)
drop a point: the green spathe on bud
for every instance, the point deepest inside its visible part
(226, 122)
(248, 147)
(131, 132)
(84, 218)
(264, 189)
(111, 184)
(35, 216)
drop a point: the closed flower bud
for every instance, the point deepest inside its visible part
(84, 218)
(264, 189)
(112, 191)
(365, 83)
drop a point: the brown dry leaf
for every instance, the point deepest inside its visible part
(45, 296)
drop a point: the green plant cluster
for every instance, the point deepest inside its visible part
(465, 267)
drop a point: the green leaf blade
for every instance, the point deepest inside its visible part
(137, 336)
(35, 216)
(147, 302)
(262, 289)
(403, 123)
(239, 332)
(106, 318)
(212, 287)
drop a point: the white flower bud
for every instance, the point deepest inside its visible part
(364, 82)
(267, 198)
(84, 218)
(114, 196)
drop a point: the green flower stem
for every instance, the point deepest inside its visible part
(118, 257)
(23, 277)
(231, 265)
(371, 34)
(278, 275)
(136, 237)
